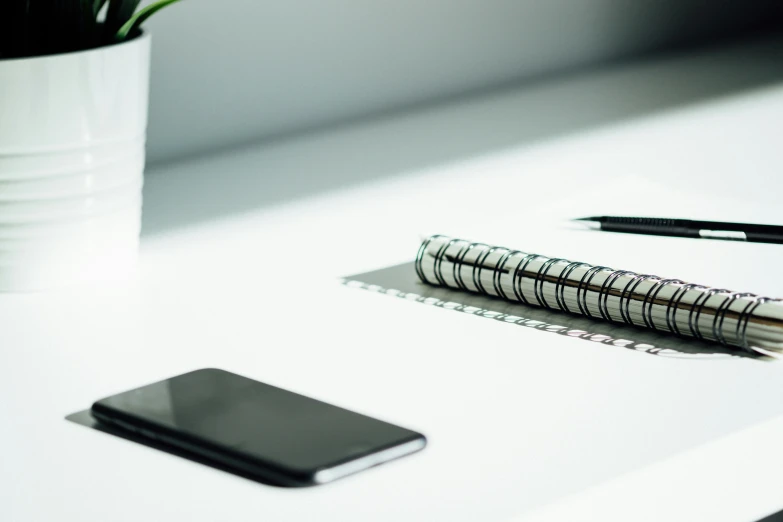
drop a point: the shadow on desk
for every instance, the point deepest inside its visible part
(204, 189)
(401, 281)
(777, 517)
(85, 418)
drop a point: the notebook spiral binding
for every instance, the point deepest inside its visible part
(738, 319)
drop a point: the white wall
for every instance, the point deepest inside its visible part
(229, 72)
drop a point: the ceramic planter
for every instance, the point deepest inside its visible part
(72, 131)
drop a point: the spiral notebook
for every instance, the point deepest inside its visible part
(737, 319)
(593, 303)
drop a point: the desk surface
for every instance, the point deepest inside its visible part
(239, 268)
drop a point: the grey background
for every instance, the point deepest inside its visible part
(235, 72)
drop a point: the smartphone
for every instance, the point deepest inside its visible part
(256, 429)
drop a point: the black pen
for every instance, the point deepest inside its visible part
(686, 228)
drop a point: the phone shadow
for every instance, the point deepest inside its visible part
(85, 418)
(401, 281)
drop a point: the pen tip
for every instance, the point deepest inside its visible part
(593, 223)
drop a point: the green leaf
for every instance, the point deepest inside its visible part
(97, 5)
(139, 18)
(119, 12)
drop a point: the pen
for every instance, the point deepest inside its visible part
(686, 228)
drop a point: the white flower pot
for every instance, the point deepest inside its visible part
(72, 131)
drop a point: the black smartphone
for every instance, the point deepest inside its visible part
(256, 429)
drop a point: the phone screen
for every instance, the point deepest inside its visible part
(274, 433)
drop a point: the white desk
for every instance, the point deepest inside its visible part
(311, 210)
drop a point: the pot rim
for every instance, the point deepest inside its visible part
(140, 36)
